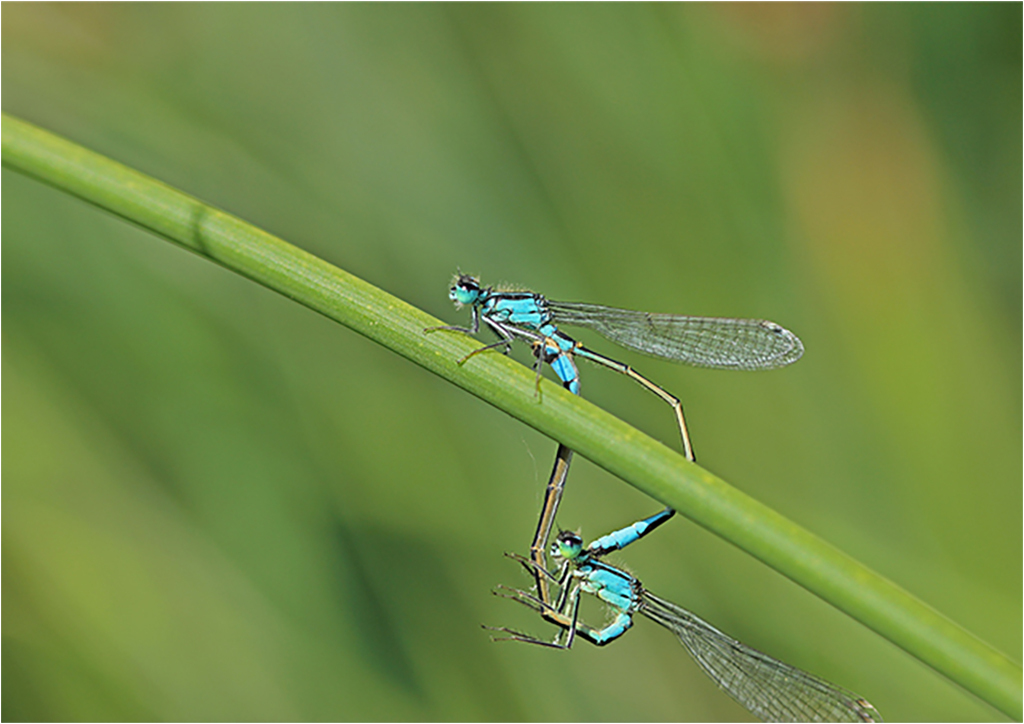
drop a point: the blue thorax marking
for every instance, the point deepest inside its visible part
(611, 585)
(521, 308)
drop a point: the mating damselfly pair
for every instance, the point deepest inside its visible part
(767, 687)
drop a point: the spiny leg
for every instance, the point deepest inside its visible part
(450, 328)
(533, 569)
(514, 635)
(538, 364)
(568, 624)
(506, 334)
(552, 497)
(503, 343)
(530, 602)
(543, 605)
(514, 594)
(664, 394)
(549, 611)
(506, 340)
(475, 316)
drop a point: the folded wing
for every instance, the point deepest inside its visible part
(770, 689)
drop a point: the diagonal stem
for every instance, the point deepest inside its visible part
(619, 448)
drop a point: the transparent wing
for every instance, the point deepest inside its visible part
(740, 344)
(770, 689)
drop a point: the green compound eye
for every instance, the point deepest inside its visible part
(569, 545)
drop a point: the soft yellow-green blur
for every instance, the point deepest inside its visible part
(220, 506)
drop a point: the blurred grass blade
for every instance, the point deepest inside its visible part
(509, 386)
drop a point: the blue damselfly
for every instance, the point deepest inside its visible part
(770, 689)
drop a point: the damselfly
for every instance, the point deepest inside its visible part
(770, 689)
(740, 344)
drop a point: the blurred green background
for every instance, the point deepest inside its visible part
(218, 505)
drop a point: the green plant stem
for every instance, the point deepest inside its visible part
(619, 448)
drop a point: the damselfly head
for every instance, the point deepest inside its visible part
(568, 545)
(465, 290)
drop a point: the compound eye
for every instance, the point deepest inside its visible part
(570, 538)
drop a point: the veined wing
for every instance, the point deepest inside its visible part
(770, 689)
(718, 342)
